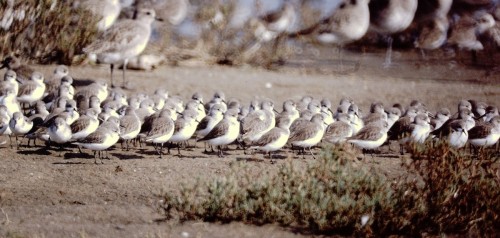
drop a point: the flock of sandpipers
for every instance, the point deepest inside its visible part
(96, 117)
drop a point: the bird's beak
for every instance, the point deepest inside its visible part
(275, 111)
(158, 18)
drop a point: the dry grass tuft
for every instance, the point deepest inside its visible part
(45, 32)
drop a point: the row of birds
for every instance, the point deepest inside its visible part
(97, 118)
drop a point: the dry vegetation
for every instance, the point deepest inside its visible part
(443, 192)
(45, 33)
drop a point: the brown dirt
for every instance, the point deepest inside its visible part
(43, 194)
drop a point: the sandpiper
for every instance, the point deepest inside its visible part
(31, 90)
(123, 40)
(340, 130)
(388, 17)
(308, 134)
(225, 132)
(257, 123)
(486, 134)
(24, 72)
(184, 128)
(273, 140)
(102, 139)
(371, 136)
(19, 126)
(161, 129)
(208, 123)
(130, 126)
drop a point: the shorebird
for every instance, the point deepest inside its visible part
(491, 111)
(340, 130)
(225, 132)
(465, 32)
(289, 113)
(465, 121)
(130, 126)
(9, 82)
(433, 35)
(184, 128)
(31, 90)
(23, 71)
(273, 140)
(107, 11)
(9, 100)
(397, 130)
(326, 109)
(102, 139)
(218, 98)
(457, 135)
(59, 132)
(208, 123)
(98, 89)
(348, 23)
(432, 18)
(478, 108)
(417, 132)
(257, 123)
(440, 118)
(85, 125)
(343, 107)
(388, 17)
(52, 83)
(354, 112)
(4, 122)
(308, 134)
(486, 134)
(160, 129)
(123, 40)
(371, 136)
(19, 125)
(271, 26)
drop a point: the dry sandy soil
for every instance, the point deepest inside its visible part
(43, 194)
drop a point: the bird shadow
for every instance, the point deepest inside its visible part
(78, 155)
(82, 82)
(38, 151)
(127, 156)
(252, 159)
(68, 163)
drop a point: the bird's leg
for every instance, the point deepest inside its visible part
(124, 84)
(388, 54)
(111, 67)
(95, 156)
(312, 153)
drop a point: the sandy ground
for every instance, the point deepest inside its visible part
(43, 194)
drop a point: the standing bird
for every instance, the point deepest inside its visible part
(308, 134)
(348, 23)
(161, 128)
(225, 132)
(100, 140)
(31, 90)
(388, 17)
(274, 139)
(486, 134)
(271, 26)
(19, 126)
(123, 40)
(59, 132)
